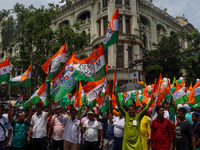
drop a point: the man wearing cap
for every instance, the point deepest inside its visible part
(196, 129)
(72, 132)
(57, 129)
(91, 128)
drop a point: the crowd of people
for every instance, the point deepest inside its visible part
(127, 128)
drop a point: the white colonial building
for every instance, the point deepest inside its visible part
(140, 25)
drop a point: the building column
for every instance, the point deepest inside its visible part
(125, 55)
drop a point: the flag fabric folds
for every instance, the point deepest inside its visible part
(55, 63)
(4, 70)
(23, 80)
(179, 96)
(112, 32)
(18, 101)
(195, 94)
(92, 68)
(63, 82)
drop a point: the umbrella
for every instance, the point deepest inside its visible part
(130, 87)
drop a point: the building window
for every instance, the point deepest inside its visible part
(105, 3)
(118, 1)
(106, 55)
(120, 57)
(130, 56)
(105, 24)
(128, 26)
(120, 24)
(126, 2)
(99, 22)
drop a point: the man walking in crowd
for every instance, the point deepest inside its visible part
(132, 137)
(19, 128)
(38, 128)
(57, 129)
(196, 129)
(184, 135)
(118, 123)
(72, 132)
(161, 132)
(4, 125)
(91, 128)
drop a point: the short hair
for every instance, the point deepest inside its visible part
(165, 103)
(2, 107)
(73, 109)
(158, 107)
(132, 105)
(38, 104)
(183, 110)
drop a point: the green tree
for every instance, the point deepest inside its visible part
(161, 60)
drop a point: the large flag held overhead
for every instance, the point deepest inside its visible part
(63, 82)
(112, 32)
(179, 96)
(4, 70)
(18, 101)
(195, 95)
(40, 95)
(55, 63)
(92, 68)
(23, 80)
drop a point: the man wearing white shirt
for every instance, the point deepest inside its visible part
(118, 123)
(38, 128)
(72, 132)
(91, 128)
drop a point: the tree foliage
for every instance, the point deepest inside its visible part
(32, 39)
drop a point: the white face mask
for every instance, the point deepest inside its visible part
(166, 114)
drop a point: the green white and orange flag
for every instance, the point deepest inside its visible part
(39, 95)
(4, 70)
(92, 68)
(55, 63)
(179, 96)
(18, 101)
(195, 95)
(128, 100)
(23, 80)
(93, 89)
(103, 101)
(112, 32)
(63, 82)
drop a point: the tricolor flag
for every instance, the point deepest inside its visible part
(92, 68)
(103, 102)
(22, 80)
(39, 95)
(18, 101)
(128, 100)
(179, 96)
(93, 89)
(63, 82)
(55, 63)
(112, 32)
(195, 95)
(4, 71)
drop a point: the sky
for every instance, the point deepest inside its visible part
(189, 8)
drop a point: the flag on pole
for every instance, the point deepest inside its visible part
(195, 95)
(4, 70)
(23, 80)
(179, 96)
(112, 32)
(92, 68)
(39, 95)
(128, 100)
(18, 101)
(63, 82)
(55, 63)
